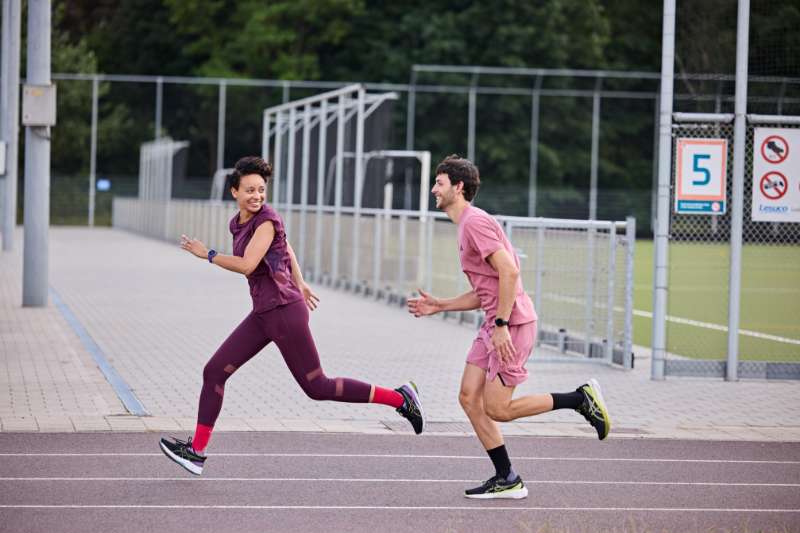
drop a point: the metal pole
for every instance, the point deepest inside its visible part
(304, 181)
(285, 91)
(661, 251)
(537, 296)
(265, 144)
(612, 273)
(93, 151)
(10, 126)
(473, 96)
(358, 186)
(323, 139)
(654, 187)
(290, 169)
(277, 165)
(159, 105)
(37, 165)
(595, 150)
(337, 195)
(739, 133)
(410, 125)
(221, 124)
(591, 280)
(534, 157)
(630, 238)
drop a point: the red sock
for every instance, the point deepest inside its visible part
(202, 434)
(387, 397)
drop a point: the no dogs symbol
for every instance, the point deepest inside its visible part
(773, 185)
(775, 149)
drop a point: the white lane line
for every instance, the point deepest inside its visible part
(412, 456)
(388, 480)
(719, 327)
(680, 320)
(408, 508)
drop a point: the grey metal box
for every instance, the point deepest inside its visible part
(39, 105)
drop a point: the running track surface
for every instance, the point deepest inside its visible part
(106, 482)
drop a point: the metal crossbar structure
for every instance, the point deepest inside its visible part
(327, 118)
(156, 167)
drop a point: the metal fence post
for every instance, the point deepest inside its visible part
(93, 151)
(533, 171)
(10, 127)
(739, 134)
(221, 105)
(337, 216)
(305, 162)
(159, 106)
(595, 150)
(277, 165)
(290, 169)
(323, 133)
(358, 185)
(612, 272)
(661, 261)
(630, 239)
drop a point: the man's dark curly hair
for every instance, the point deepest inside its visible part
(460, 169)
(249, 165)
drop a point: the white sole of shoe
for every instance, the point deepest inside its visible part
(596, 386)
(413, 389)
(188, 465)
(517, 494)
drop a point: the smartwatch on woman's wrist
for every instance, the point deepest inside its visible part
(499, 322)
(211, 254)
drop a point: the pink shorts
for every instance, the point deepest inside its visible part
(483, 355)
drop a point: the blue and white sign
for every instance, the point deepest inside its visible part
(776, 175)
(701, 172)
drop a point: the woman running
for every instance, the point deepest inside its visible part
(281, 304)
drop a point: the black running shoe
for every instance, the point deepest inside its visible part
(499, 487)
(594, 409)
(411, 409)
(182, 453)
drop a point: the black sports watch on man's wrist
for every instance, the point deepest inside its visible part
(499, 322)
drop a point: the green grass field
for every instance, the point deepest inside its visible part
(698, 291)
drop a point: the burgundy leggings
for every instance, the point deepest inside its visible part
(287, 326)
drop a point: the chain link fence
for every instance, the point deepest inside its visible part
(699, 271)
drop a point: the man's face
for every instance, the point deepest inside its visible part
(445, 192)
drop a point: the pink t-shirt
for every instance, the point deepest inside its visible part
(479, 236)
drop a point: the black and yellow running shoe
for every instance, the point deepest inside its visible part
(411, 409)
(182, 453)
(499, 487)
(594, 409)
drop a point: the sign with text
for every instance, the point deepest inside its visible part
(700, 176)
(776, 175)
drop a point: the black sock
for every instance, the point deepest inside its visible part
(502, 464)
(567, 400)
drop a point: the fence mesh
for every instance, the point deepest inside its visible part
(699, 272)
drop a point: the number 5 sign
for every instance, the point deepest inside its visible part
(700, 176)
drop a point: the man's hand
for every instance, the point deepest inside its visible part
(501, 340)
(424, 305)
(312, 300)
(194, 247)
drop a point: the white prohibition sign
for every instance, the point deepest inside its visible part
(773, 185)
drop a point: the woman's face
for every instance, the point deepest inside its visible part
(251, 194)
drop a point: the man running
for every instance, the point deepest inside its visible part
(496, 361)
